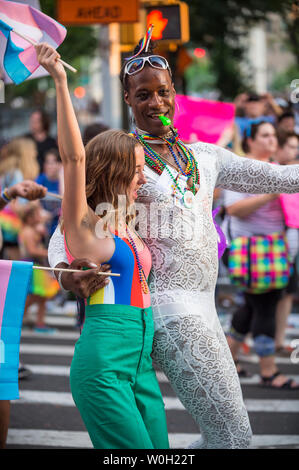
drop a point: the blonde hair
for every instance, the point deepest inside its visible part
(20, 153)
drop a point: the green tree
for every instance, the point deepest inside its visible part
(219, 25)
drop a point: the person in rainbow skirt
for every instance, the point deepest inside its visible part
(112, 379)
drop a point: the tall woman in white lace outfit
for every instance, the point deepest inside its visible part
(189, 343)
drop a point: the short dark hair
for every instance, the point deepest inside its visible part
(252, 134)
(283, 137)
(285, 115)
(54, 152)
(92, 130)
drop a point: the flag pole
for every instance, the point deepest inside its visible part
(73, 270)
(57, 196)
(35, 44)
(46, 268)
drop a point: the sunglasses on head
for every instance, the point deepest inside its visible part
(137, 64)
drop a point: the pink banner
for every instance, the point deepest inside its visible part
(290, 207)
(204, 120)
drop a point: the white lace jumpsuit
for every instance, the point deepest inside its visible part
(189, 343)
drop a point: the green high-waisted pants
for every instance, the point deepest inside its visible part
(113, 382)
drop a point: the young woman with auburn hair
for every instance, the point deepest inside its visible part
(112, 379)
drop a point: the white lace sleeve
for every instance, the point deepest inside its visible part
(56, 251)
(246, 175)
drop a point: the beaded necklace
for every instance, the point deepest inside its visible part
(154, 160)
(141, 274)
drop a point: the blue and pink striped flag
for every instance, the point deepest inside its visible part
(15, 277)
(19, 58)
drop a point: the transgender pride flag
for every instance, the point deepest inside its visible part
(19, 59)
(15, 277)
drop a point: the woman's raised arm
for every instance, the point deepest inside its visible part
(70, 143)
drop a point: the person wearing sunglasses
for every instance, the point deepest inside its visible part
(155, 61)
(189, 343)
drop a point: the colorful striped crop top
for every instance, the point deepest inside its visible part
(126, 289)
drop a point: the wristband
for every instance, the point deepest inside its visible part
(4, 196)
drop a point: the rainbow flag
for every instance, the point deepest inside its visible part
(10, 225)
(43, 284)
(15, 277)
(19, 59)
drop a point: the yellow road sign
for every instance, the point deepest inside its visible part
(81, 12)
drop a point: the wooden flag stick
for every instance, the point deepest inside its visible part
(57, 196)
(46, 268)
(36, 43)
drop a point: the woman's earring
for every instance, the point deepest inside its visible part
(177, 106)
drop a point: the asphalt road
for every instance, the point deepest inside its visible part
(45, 416)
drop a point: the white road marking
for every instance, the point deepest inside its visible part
(255, 359)
(171, 403)
(56, 335)
(80, 439)
(47, 349)
(65, 371)
(61, 350)
(49, 369)
(60, 321)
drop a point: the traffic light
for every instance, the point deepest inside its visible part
(199, 52)
(171, 22)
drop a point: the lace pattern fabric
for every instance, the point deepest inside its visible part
(189, 343)
(56, 251)
(197, 361)
(183, 242)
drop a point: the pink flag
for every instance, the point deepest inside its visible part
(290, 207)
(204, 120)
(18, 56)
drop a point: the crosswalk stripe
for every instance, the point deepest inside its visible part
(292, 332)
(171, 403)
(49, 438)
(60, 321)
(47, 349)
(71, 321)
(255, 359)
(62, 350)
(183, 440)
(80, 439)
(49, 369)
(55, 335)
(65, 371)
(43, 369)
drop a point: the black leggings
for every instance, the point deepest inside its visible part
(257, 316)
